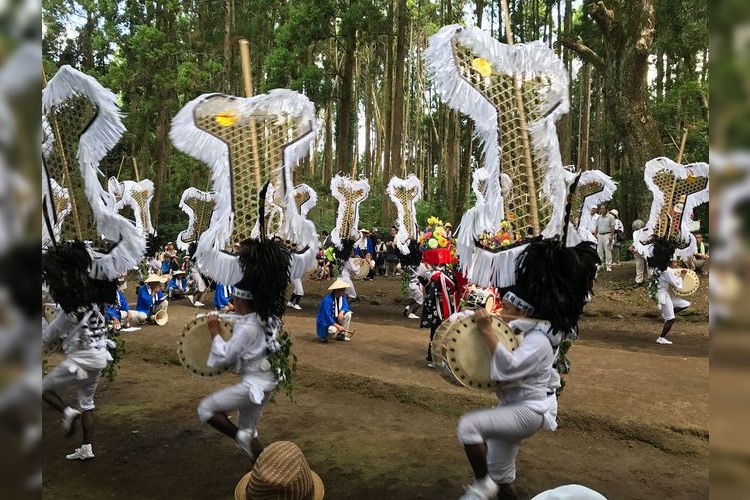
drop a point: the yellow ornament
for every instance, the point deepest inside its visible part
(482, 66)
(226, 118)
(690, 178)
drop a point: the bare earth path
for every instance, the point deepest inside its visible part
(375, 422)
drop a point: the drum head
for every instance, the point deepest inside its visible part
(50, 312)
(690, 284)
(195, 345)
(364, 268)
(438, 351)
(490, 304)
(467, 355)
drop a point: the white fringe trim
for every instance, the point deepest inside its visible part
(124, 191)
(405, 233)
(99, 138)
(191, 193)
(344, 183)
(311, 202)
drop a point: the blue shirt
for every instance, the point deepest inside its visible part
(223, 295)
(113, 310)
(327, 313)
(145, 300)
(177, 283)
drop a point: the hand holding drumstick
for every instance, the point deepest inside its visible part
(484, 323)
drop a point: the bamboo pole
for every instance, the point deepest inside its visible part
(682, 144)
(247, 79)
(135, 168)
(524, 131)
(52, 119)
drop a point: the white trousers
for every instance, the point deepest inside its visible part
(136, 318)
(61, 376)
(233, 398)
(298, 289)
(332, 330)
(641, 272)
(502, 428)
(604, 249)
(670, 302)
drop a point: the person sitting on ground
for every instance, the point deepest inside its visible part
(371, 263)
(334, 315)
(699, 260)
(150, 297)
(177, 285)
(166, 262)
(281, 471)
(120, 311)
(223, 301)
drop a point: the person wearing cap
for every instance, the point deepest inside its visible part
(224, 298)
(120, 311)
(334, 315)
(527, 399)
(166, 262)
(364, 244)
(605, 236)
(150, 297)
(639, 249)
(177, 285)
(666, 270)
(281, 471)
(259, 304)
(448, 230)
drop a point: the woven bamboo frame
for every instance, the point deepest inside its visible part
(675, 192)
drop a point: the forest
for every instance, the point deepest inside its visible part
(638, 71)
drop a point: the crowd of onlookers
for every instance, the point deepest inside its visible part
(379, 254)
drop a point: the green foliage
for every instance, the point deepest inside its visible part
(117, 352)
(283, 363)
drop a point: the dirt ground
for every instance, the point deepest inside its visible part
(375, 422)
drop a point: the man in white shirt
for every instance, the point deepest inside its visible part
(605, 236)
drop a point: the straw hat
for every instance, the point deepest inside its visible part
(339, 284)
(281, 472)
(154, 278)
(614, 212)
(366, 231)
(178, 272)
(448, 224)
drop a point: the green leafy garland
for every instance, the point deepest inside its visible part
(563, 362)
(283, 362)
(653, 286)
(116, 352)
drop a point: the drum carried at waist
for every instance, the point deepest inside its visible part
(462, 353)
(195, 345)
(50, 312)
(690, 283)
(479, 298)
(364, 268)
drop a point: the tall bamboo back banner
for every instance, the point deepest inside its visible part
(137, 196)
(405, 193)
(594, 187)
(81, 124)
(349, 193)
(199, 206)
(245, 142)
(514, 94)
(677, 190)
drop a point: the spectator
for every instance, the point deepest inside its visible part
(619, 237)
(380, 250)
(371, 263)
(605, 236)
(391, 253)
(699, 260)
(223, 298)
(281, 471)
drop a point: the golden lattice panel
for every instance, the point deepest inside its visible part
(141, 198)
(202, 211)
(500, 91)
(578, 199)
(253, 141)
(62, 130)
(407, 197)
(675, 191)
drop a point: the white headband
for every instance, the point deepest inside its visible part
(518, 302)
(243, 294)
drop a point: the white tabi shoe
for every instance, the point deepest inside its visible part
(412, 316)
(663, 341)
(482, 489)
(70, 417)
(83, 453)
(243, 439)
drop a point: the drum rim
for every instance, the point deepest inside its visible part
(214, 372)
(690, 291)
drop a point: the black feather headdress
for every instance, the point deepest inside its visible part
(265, 269)
(663, 251)
(347, 245)
(557, 280)
(414, 257)
(65, 269)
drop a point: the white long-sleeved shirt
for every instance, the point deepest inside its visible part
(667, 278)
(348, 269)
(84, 341)
(245, 353)
(531, 379)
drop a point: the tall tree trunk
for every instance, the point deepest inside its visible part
(660, 75)
(386, 210)
(328, 145)
(346, 104)
(398, 85)
(583, 128)
(565, 130)
(226, 83)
